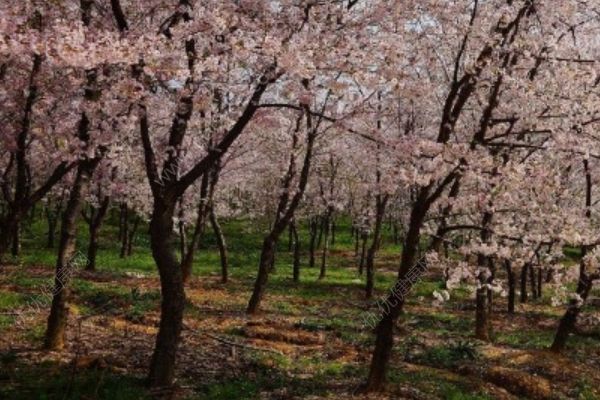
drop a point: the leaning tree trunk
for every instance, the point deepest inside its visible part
(567, 322)
(57, 320)
(385, 328)
(266, 260)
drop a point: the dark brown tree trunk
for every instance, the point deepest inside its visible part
(524, 271)
(162, 366)
(363, 252)
(312, 227)
(132, 233)
(324, 253)
(511, 286)
(285, 210)
(125, 229)
(296, 261)
(568, 321)
(266, 259)
(95, 221)
(290, 243)
(57, 320)
(52, 219)
(395, 301)
(214, 222)
(16, 241)
(122, 221)
(534, 293)
(333, 232)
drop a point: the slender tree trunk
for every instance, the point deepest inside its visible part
(379, 215)
(132, 233)
(483, 325)
(266, 259)
(321, 228)
(534, 293)
(214, 222)
(323, 272)
(296, 262)
(51, 218)
(524, 271)
(313, 241)
(16, 241)
(511, 286)
(363, 253)
(122, 220)
(290, 239)
(95, 221)
(125, 229)
(333, 232)
(57, 320)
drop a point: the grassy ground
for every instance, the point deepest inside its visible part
(309, 342)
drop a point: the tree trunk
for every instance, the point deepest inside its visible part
(124, 229)
(333, 232)
(95, 222)
(57, 320)
(312, 227)
(379, 215)
(567, 322)
(524, 271)
(51, 218)
(132, 232)
(221, 244)
(511, 286)
(534, 293)
(266, 258)
(16, 241)
(296, 262)
(325, 252)
(395, 301)
(162, 366)
(483, 302)
(363, 252)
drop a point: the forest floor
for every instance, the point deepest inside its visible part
(309, 342)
